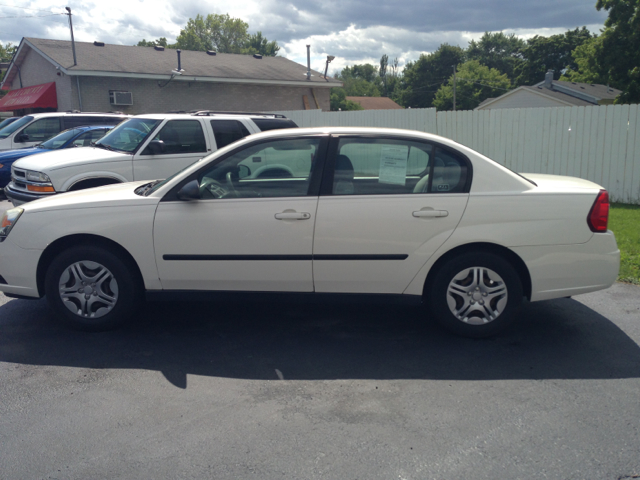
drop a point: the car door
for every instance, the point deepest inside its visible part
(37, 132)
(386, 205)
(182, 142)
(252, 228)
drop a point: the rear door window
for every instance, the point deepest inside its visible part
(395, 166)
(228, 131)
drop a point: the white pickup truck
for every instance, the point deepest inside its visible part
(145, 147)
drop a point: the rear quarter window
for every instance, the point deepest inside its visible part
(265, 124)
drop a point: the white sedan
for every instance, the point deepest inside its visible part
(319, 212)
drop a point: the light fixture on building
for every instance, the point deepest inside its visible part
(330, 58)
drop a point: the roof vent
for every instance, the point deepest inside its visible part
(98, 44)
(211, 52)
(257, 55)
(159, 48)
(581, 87)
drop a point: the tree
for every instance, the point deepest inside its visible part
(389, 77)
(587, 60)
(474, 83)
(360, 80)
(221, 33)
(215, 32)
(499, 51)
(160, 42)
(619, 56)
(256, 43)
(6, 54)
(339, 102)
(550, 53)
(422, 78)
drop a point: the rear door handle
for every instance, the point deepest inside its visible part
(293, 216)
(430, 213)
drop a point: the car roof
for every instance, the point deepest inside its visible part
(77, 114)
(209, 114)
(367, 131)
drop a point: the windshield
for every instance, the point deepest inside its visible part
(7, 121)
(128, 136)
(12, 127)
(60, 139)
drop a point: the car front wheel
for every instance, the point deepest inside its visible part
(476, 294)
(91, 288)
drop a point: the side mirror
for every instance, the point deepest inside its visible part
(156, 147)
(190, 191)
(23, 137)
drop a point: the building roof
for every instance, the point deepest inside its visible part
(601, 92)
(559, 96)
(569, 93)
(147, 62)
(375, 103)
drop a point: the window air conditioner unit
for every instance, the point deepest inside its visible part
(120, 98)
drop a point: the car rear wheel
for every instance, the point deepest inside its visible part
(475, 294)
(91, 288)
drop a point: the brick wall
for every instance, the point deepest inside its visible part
(179, 94)
(36, 70)
(148, 97)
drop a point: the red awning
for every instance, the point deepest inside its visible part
(38, 96)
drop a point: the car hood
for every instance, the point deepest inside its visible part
(560, 183)
(21, 152)
(118, 195)
(69, 157)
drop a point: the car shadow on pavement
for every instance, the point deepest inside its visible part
(560, 339)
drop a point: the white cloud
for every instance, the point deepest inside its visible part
(351, 30)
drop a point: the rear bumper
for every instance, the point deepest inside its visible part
(18, 197)
(565, 270)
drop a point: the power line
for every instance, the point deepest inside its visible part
(35, 16)
(25, 8)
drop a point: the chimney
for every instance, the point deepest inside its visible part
(548, 79)
(308, 62)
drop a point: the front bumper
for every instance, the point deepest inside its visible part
(19, 197)
(18, 269)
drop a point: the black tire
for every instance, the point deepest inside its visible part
(483, 299)
(103, 305)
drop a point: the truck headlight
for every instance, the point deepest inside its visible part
(37, 177)
(9, 219)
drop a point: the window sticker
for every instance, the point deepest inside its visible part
(393, 164)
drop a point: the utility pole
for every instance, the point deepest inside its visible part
(454, 88)
(73, 43)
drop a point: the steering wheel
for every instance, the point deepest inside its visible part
(230, 184)
(211, 188)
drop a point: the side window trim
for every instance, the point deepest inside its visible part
(158, 130)
(59, 119)
(326, 188)
(316, 173)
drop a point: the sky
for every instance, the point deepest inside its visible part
(354, 31)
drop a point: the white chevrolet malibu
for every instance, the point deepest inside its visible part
(349, 211)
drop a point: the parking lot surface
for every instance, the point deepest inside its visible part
(265, 390)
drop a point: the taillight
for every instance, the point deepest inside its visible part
(599, 215)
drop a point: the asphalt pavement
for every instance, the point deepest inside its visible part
(234, 390)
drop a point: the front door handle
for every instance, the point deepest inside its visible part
(293, 216)
(430, 213)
